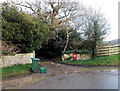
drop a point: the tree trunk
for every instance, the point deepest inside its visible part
(94, 49)
(68, 34)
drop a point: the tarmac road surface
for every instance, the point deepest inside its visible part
(79, 80)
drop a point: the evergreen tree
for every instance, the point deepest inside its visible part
(23, 30)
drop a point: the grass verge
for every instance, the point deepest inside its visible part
(15, 71)
(98, 61)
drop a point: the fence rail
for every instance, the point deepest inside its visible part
(108, 50)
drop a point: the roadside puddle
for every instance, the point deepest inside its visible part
(16, 83)
(36, 78)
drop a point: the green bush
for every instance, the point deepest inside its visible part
(7, 53)
(69, 58)
(22, 30)
(76, 51)
(51, 54)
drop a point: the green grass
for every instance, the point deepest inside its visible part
(99, 61)
(24, 69)
(16, 70)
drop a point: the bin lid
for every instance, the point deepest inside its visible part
(42, 67)
(36, 59)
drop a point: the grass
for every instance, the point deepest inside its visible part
(99, 61)
(16, 70)
(24, 69)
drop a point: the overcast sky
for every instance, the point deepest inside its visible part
(109, 9)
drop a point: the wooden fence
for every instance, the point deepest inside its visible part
(108, 50)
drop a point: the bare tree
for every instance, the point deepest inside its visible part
(63, 15)
(95, 29)
(60, 14)
(57, 13)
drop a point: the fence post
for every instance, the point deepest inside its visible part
(109, 50)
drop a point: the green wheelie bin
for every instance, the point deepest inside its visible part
(35, 64)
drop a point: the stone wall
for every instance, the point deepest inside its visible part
(17, 59)
(79, 57)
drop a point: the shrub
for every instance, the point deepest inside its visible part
(7, 53)
(76, 51)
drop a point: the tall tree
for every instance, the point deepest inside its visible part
(60, 15)
(95, 29)
(23, 30)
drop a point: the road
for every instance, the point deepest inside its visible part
(78, 80)
(61, 76)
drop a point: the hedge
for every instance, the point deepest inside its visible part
(76, 51)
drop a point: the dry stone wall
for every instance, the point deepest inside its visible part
(17, 59)
(79, 57)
